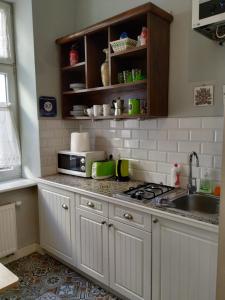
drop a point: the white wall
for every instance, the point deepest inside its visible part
(52, 18)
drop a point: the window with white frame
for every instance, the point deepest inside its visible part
(10, 158)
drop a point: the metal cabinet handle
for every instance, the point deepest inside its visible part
(110, 225)
(64, 206)
(103, 222)
(90, 204)
(128, 216)
(155, 221)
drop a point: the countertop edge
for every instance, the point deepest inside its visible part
(154, 211)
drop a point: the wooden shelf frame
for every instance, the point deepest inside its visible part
(131, 85)
(152, 58)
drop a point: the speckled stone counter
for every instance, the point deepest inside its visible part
(110, 187)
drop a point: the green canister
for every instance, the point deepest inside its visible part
(134, 107)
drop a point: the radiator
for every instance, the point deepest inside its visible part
(8, 236)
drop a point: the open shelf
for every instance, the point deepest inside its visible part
(132, 85)
(78, 66)
(123, 116)
(152, 59)
(134, 52)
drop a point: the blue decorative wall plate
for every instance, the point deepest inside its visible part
(47, 106)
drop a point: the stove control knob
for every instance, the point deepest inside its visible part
(139, 197)
(155, 221)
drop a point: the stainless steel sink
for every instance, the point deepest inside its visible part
(197, 202)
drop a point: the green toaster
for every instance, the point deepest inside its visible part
(103, 169)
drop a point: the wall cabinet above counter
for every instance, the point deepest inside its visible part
(150, 57)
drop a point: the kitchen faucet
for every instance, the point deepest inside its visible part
(192, 188)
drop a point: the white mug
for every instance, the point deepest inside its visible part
(90, 112)
(97, 109)
(106, 110)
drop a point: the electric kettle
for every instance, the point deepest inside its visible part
(122, 170)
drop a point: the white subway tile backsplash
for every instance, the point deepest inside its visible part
(202, 135)
(120, 153)
(219, 135)
(169, 123)
(189, 123)
(139, 134)
(217, 162)
(195, 171)
(177, 158)
(131, 124)
(211, 148)
(146, 144)
(205, 160)
(157, 135)
(115, 143)
(212, 122)
(139, 154)
(188, 147)
(126, 134)
(167, 146)
(157, 156)
(178, 135)
(148, 124)
(153, 146)
(164, 168)
(116, 124)
(131, 143)
(148, 176)
(143, 165)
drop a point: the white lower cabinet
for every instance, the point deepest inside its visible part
(92, 245)
(184, 262)
(114, 245)
(130, 261)
(55, 221)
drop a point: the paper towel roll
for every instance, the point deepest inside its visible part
(80, 142)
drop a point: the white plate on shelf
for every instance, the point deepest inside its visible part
(77, 86)
(77, 113)
(79, 107)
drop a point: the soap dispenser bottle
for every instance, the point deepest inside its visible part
(205, 184)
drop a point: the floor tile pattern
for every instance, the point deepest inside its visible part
(43, 278)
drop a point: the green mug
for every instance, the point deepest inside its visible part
(134, 107)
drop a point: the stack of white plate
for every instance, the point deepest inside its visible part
(78, 110)
(77, 86)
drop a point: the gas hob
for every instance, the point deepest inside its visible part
(146, 192)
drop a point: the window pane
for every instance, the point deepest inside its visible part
(4, 31)
(3, 88)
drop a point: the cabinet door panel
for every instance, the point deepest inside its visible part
(55, 222)
(184, 263)
(130, 261)
(92, 240)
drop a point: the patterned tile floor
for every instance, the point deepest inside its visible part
(44, 278)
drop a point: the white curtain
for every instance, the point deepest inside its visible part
(9, 141)
(5, 27)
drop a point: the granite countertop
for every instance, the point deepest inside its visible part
(109, 187)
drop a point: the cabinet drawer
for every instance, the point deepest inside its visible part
(130, 216)
(92, 205)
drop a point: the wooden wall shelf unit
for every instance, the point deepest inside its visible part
(152, 59)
